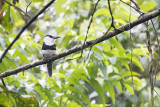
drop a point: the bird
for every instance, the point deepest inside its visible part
(49, 50)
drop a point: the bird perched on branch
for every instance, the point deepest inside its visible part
(49, 50)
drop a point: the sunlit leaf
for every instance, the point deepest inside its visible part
(102, 11)
(148, 6)
(59, 75)
(129, 88)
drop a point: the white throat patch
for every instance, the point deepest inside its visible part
(49, 41)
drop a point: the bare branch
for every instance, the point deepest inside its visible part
(24, 27)
(110, 34)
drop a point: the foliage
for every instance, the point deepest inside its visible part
(104, 79)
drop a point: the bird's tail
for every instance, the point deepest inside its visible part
(49, 69)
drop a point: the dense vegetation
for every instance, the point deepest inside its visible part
(101, 76)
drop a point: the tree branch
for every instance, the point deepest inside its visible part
(24, 27)
(106, 36)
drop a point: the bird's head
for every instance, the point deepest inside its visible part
(50, 39)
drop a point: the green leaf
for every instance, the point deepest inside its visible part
(148, 6)
(3, 68)
(117, 44)
(5, 90)
(118, 84)
(36, 0)
(58, 4)
(109, 87)
(71, 97)
(129, 88)
(98, 105)
(52, 104)
(137, 62)
(84, 98)
(73, 104)
(6, 20)
(124, 12)
(5, 101)
(22, 56)
(52, 83)
(71, 23)
(106, 46)
(9, 63)
(124, 62)
(59, 75)
(142, 51)
(136, 81)
(128, 73)
(102, 11)
(32, 77)
(18, 21)
(80, 76)
(48, 94)
(29, 101)
(40, 91)
(97, 87)
(92, 70)
(17, 100)
(103, 68)
(73, 80)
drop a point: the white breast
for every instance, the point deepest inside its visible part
(49, 41)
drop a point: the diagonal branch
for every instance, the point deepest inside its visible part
(106, 36)
(24, 27)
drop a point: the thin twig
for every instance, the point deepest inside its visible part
(17, 8)
(151, 76)
(3, 82)
(131, 45)
(89, 25)
(158, 51)
(135, 4)
(96, 42)
(157, 93)
(24, 27)
(87, 45)
(112, 24)
(88, 54)
(28, 6)
(138, 10)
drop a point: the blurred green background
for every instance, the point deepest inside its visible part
(104, 79)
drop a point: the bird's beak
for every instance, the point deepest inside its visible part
(56, 37)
